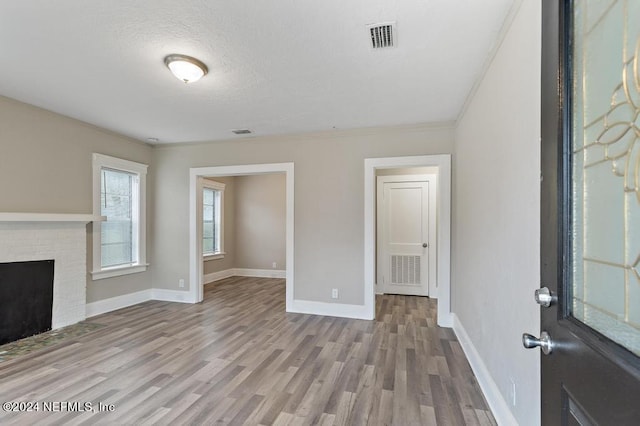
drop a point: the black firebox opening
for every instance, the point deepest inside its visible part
(26, 299)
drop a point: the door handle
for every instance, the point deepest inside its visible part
(425, 245)
(544, 297)
(544, 342)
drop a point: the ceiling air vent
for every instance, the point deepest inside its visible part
(382, 35)
(241, 131)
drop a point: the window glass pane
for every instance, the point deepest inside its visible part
(211, 225)
(217, 224)
(116, 204)
(207, 230)
(207, 245)
(207, 197)
(208, 213)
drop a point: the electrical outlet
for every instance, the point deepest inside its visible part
(274, 265)
(181, 283)
(334, 293)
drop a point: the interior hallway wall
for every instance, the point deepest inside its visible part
(496, 219)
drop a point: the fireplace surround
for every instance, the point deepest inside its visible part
(62, 238)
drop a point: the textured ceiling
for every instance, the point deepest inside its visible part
(275, 67)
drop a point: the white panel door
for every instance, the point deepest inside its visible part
(405, 241)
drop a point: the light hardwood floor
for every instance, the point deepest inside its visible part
(237, 358)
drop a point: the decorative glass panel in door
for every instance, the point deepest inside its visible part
(605, 168)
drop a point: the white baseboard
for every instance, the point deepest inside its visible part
(329, 309)
(171, 295)
(497, 403)
(260, 273)
(217, 276)
(114, 303)
(446, 319)
(243, 272)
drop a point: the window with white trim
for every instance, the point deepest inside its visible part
(212, 219)
(119, 245)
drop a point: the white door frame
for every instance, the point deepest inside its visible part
(443, 164)
(432, 180)
(195, 243)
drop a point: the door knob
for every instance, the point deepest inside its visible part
(544, 342)
(544, 297)
(425, 245)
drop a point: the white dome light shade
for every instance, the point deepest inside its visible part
(186, 68)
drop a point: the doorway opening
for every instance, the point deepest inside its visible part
(440, 165)
(196, 177)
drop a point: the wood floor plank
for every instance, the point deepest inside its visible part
(428, 416)
(343, 411)
(319, 392)
(238, 358)
(269, 408)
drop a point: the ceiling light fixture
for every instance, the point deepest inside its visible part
(186, 68)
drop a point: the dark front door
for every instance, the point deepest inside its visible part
(590, 216)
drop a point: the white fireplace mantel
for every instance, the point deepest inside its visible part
(50, 217)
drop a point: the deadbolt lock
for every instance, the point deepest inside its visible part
(544, 297)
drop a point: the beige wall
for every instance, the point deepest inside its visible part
(496, 219)
(229, 260)
(261, 221)
(329, 199)
(45, 167)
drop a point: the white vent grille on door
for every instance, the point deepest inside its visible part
(405, 269)
(382, 35)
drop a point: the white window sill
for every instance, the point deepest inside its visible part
(118, 271)
(215, 256)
